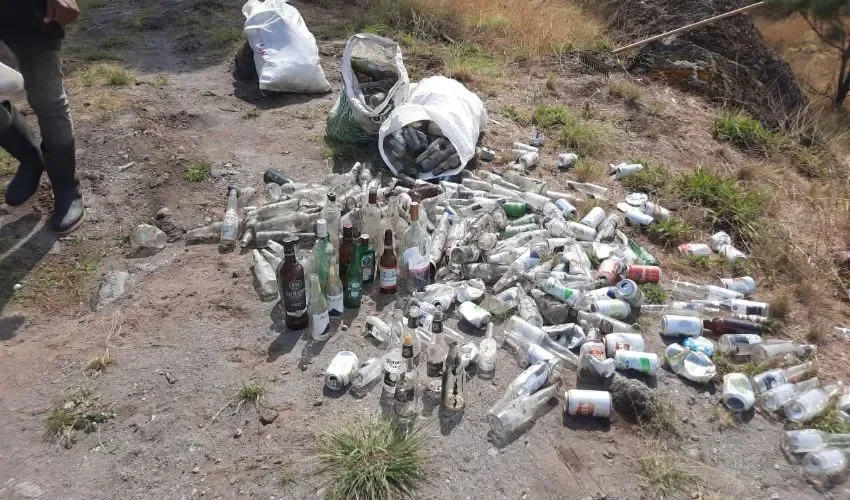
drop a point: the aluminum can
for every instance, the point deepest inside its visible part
(341, 370)
(614, 308)
(695, 249)
(628, 290)
(744, 284)
(566, 160)
(464, 254)
(720, 239)
(681, 326)
(581, 231)
(474, 314)
(583, 403)
(644, 362)
(656, 211)
(594, 217)
(643, 274)
(566, 208)
(638, 218)
(623, 341)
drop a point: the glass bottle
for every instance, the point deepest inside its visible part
(370, 218)
(763, 352)
(346, 252)
(779, 396)
(415, 265)
(230, 222)
(320, 325)
(388, 266)
(768, 380)
(332, 215)
(809, 440)
(334, 289)
(724, 326)
(368, 372)
(367, 259)
(436, 354)
(354, 276)
(396, 224)
(827, 462)
(320, 253)
(510, 417)
(737, 344)
(392, 365)
(405, 390)
(265, 275)
(293, 292)
(522, 330)
(453, 386)
(529, 381)
(809, 404)
(487, 350)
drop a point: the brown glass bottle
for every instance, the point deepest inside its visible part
(388, 266)
(424, 191)
(293, 292)
(725, 326)
(346, 252)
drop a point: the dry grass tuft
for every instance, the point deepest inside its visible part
(663, 475)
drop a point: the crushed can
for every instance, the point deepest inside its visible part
(744, 284)
(609, 271)
(695, 249)
(567, 209)
(638, 218)
(584, 403)
(656, 211)
(720, 239)
(623, 341)
(643, 274)
(566, 160)
(341, 370)
(628, 290)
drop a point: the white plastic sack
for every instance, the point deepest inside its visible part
(285, 51)
(11, 82)
(459, 113)
(352, 119)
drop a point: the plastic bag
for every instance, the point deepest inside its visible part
(352, 119)
(11, 82)
(459, 113)
(285, 51)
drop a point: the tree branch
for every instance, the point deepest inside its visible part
(820, 35)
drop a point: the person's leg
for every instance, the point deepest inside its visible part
(42, 71)
(17, 139)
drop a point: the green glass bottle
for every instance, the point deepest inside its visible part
(515, 208)
(354, 275)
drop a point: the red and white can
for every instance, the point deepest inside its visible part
(643, 274)
(583, 403)
(609, 270)
(624, 341)
(695, 249)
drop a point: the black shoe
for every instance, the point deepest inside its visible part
(68, 208)
(18, 141)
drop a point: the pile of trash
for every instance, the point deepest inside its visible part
(496, 245)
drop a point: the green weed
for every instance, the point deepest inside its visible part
(160, 80)
(653, 293)
(549, 115)
(198, 171)
(465, 62)
(671, 232)
(374, 459)
(78, 410)
(512, 113)
(653, 180)
(225, 37)
(105, 74)
(829, 421)
(587, 170)
(741, 130)
(99, 55)
(86, 5)
(585, 138)
(252, 113)
(251, 393)
(8, 165)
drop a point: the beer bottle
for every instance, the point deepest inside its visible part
(293, 291)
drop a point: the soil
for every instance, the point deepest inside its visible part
(734, 64)
(192, 330)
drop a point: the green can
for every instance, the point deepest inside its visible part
(515, 208)
(525, 219)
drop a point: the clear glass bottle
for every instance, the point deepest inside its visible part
(405, 404)
(512, 416)
(320, 325)
(415, 265)
(768, 380)
(230, 221)
(453, 386)
(529, 381)
(436, 354)
(333, 217)
(780, 395)
(809, 404)
(809, 440)
(334, 290)
(370, 218)
(265, 274)
(393, 365)
(487, 351)
(320, 264)
(522, 330)
(368, 372)
(827, 462)
(763, 352)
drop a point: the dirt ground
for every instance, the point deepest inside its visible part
(191, 315)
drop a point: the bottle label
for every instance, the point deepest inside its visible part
(389, 277)
(295, 298)
(368, 265)
(404, 394)
(320, 323)
(407, 351)
(354, 289)
(417, 266)
(335, 306)
(434, 369)
(390, 379)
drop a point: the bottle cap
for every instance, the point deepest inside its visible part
(414, 211)
(331, 197)
(364, 240)
(373, 197)
(321, 228)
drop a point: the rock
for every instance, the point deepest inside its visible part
(774, 496)
(492, 452)
(268, 416)
(608, 454)
(171, 379)
(694, 438)
(163, 213)
(26, 489)
(692, 453)
(318, 402)
(158, 181)
(232, 481)
(111, 289)
(237, 433)
(692, 400)
(147, 239)
(196, 470)
(632, 398)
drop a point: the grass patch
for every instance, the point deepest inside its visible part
(252, 113)
(53, 280)
(548, 116)
(671, 232)
(724, 365)
(78, 410)
(829, 421)
(730, 208)
(653, 180)
(742, 130)
(251, 393)
(85, 5)
(780, 306)
(115, 42)
(577, 134)
(198, 171)
(105, 74)
(100, 363)
(587, 170)
(372, 459)
(512, 113)
(99, 55)
(8, 165)
(722, 418)
(226, 36)
(465, 62)
(626, 90)
(653, 293)
(159, 80)
(663, 475)
(286, 477)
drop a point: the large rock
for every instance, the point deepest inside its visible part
(111, 289)
(728, 60)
